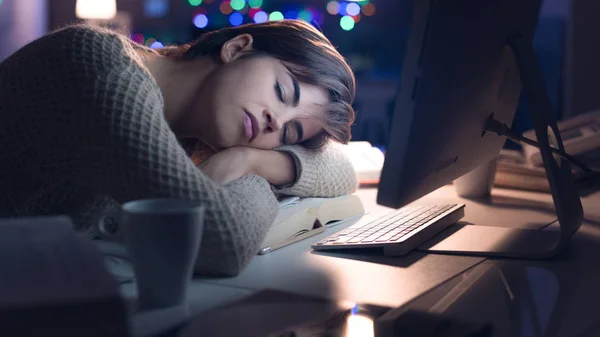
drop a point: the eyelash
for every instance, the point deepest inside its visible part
(279, 91)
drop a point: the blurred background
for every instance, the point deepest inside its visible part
(370, 33)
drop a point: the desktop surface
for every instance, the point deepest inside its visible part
(565, 286)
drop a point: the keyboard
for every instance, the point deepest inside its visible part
(397, 232)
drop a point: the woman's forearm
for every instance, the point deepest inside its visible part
(278, 168)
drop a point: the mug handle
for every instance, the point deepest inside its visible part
(109, 225)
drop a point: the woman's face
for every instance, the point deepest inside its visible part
(256, 102)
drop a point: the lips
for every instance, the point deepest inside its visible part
(250, 126)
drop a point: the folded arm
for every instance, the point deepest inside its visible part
(111, 136)
(325, 172)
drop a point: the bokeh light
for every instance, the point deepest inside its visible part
(156, 44)
(201, 21)
(153, 8)
(195, 2)
(236, 19)
(238, 4)
(333, 7)
(149, 41)
(342, 10)
(225, 8)
(357, 18)
(276, 16)
(353, 9)
(305, 15)
(255, 3)
(291, 14)
(253, 12)
(368, 9)
(138, 38)
(261, 17)
(347, 22)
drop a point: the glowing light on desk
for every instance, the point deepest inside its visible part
(96, 9)
(358, 325)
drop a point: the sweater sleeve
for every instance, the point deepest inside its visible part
(325, 172)
(108, 133)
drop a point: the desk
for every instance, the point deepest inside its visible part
(416, 279)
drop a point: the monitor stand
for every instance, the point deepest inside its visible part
(481, 240)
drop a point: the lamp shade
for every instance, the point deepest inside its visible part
(96, 9)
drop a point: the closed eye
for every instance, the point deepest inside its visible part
(293, 133)
(279, 92)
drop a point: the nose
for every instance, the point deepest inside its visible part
(273, 122)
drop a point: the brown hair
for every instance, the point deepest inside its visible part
(310, 57)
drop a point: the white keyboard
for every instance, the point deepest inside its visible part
(397, 232)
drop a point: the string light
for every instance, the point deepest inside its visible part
(255, 3)
(353, 9)
(333, 7)
(156, 44)
(368, 9)
(261, 17)
(291, 14)
(138, 38)
(347, 22)
(276, 16)
(238, 4)
(253, 12)
(342, 10)
(201, 21)
(225, 8)
(195, 2)
(236, 19)
(155, 8)
(305, 15)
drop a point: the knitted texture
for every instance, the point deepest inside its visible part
(84, 129)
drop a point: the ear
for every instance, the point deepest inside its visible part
(235, 47)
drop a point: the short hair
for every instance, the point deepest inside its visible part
(310, 57)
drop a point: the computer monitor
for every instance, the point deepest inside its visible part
(466, 62)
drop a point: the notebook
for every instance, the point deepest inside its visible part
(300, 218)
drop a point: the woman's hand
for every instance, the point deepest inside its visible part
(278, 168)
(228, 165)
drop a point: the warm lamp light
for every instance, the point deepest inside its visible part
(96, 9)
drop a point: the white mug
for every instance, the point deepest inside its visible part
(162, 237)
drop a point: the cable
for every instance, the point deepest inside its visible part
(501, 129)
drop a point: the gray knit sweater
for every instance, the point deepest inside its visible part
(82, 129)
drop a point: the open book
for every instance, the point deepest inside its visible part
(300, 218)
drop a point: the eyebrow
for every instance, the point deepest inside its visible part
(296, 85)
